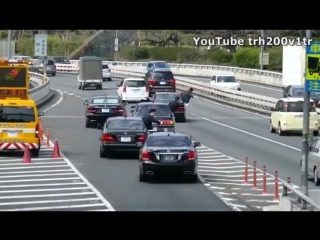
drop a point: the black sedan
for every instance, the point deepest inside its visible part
(100, 108)
(166, 97)
(122, 134)
(164, 115)
(168, 153)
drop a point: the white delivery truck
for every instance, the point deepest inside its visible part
(90, 73)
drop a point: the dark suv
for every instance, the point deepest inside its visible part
(160, 81)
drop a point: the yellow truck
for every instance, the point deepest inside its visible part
(19, 116)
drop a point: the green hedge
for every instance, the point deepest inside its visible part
(244, 57)
(55, 46)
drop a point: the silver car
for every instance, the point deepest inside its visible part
(314, 161)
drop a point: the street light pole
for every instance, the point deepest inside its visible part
(116, 47)
(9, 44)
(261, 50)
(305, 134)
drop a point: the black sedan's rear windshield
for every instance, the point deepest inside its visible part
(168, 141)
(162, 110)
(125, 125)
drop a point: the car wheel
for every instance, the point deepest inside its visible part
(143, 178)
(35, 152)
(82, 87)
(193, 178)
(280, 132)
(102, 153)
(53, 74)
(110, 79)
(316, 177)
(272, 130)
(316, 133)
(79, 86)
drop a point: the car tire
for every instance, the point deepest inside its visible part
(109, 79)
(82, 87)
(143, 178)
(53, 74)
(102, 154)
(87, 124)
(272, 130)
(193, 178)
(280, 132)
(79, 86)
(103, 79)
(316, 178)
(35, 152)
(316, 133)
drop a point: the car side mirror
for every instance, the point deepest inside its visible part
(272, 109)
(99, 126)
(133, 107)
(283, 88)
(132, 111)
(196, 144)
(41, 114)
(118, 85)
(85, 102)
(239, 81)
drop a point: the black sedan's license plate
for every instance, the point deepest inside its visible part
(168, 158)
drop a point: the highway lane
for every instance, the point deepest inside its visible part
(116, 179)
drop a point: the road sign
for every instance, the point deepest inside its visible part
(265, 59)
(40, 45)
(313, 67)
(116, 44)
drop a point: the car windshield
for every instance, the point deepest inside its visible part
(299, 92)
(135, 83)
(125, 124)
(226, 79)
(161, 65)
(167, 97)
(168, 141)
(105, 101)
(17, 114)
(163, 75)
(162, 110)
(298, 107)
(37, 62)
(26, 58)
(104, 66)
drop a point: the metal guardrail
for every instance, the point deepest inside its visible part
(302, 203)
(245, 74)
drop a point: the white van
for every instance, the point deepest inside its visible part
(133, 90)
(227, 81)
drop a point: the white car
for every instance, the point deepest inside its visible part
(133, 90)
(225, 81)
(106, 72)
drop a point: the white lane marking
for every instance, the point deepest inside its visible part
(46, 190)
(248, 133)
(41, 185)
(258, 86)
(32, 159)
(36, 167)
(50, 201)
(47, 195)
(57, 103)
(38, 175)
(59, 207)
(41, 180)
(47, 171)
(39, 163)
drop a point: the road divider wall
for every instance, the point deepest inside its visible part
(244, 74)
(42, 92)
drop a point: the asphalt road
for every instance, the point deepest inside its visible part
(117, 179)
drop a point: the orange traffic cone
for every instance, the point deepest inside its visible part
(56, 150)
(26, 155)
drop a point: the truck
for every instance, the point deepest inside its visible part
(90, 73)
(19, 116)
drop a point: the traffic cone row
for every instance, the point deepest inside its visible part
(55, 153)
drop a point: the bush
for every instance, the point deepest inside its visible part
(55, 46)
(246, 57)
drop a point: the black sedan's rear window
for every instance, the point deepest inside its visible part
(168, 141)
(162, 110)
(163, 75)
(125, 125)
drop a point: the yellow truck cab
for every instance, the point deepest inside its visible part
(287, 116)
(19, 117)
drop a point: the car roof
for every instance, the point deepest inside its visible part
(151, 103)
(135, 79)
(162, 93)
(157, 62)
(170, 134)
(294, 99)
(159, 70)
(224, 74)
(124, 118)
